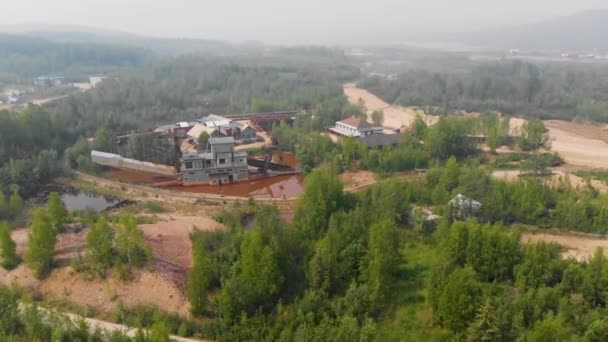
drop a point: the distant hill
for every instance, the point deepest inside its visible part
(584, 30)
(163, 46)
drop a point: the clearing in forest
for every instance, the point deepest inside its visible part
(580, 247)
(582, 145)
(394, 116)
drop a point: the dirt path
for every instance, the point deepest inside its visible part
(96, 324)
(582, 145)
(558, 176)
(579, 247)
(394, 116)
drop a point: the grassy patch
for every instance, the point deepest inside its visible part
(155, 207)
(601, 175)
(409, 317)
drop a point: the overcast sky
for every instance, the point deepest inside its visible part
(319, 21)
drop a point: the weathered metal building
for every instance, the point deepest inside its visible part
(221, 165)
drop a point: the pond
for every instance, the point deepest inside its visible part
(75, 199)
(86, 201)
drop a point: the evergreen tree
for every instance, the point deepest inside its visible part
(199, 279)
(57, 212)
(10, 260)
(130, 243)
(460, 299)
(383, 253)
(100, 243)
(485, 325)
(15, 204)
(595, 281)
(41, 244)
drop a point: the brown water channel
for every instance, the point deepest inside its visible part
(258, 186)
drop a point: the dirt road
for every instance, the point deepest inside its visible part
(558, 176)
(96, 324)
(579, 247)
(394, 116)
(582, 145)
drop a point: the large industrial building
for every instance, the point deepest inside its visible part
(222, 165)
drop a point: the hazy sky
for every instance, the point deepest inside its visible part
(286, 20)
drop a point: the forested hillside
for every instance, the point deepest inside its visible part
(23, 57)
(360, 267)
(564, 91)
(190, 87)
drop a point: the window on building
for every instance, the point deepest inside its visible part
(188, 165)
(222, 161)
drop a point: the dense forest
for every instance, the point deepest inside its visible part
(189, 87)
(362, 267)
(546, 91)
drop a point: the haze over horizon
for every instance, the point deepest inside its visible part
(274, 21)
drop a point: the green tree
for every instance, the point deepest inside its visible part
(255, 281)
(448, 138)
(199, 279)
(378, 118)
(460, 299)
(130, 243)
(15, 204)
(41, 244)
(419, 128)
(485, 326)
(103, 141)
(536, 165)
(533, 136)
(100, 245)
(10, 260)
(595, 281)
(203, 139)
(159, 333)
(551, 328)
(9, 312)
(57, 212)
(323, 195)
(383, 253)
(597, 331)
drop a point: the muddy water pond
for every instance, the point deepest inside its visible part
(258, 186)
(76, 200)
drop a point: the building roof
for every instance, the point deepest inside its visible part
(357, 123)
(375, 140)
(197, 129)
(183, 124)
(217, 123)
(222, 140)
